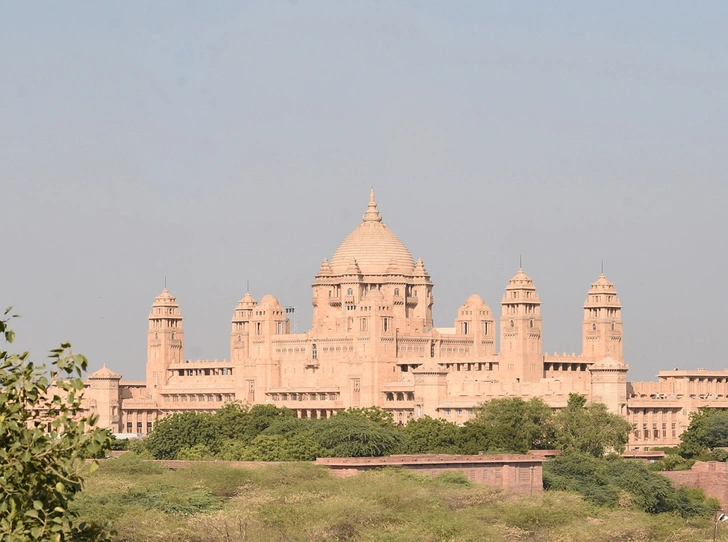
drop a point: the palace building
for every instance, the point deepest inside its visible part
(373, 342)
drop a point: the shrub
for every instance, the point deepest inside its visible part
(602, 481)
(44, 437)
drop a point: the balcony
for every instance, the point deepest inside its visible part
(335, 301)
(412, 301)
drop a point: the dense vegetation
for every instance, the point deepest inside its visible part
(613, 481)
(302, 502)
(269, 433)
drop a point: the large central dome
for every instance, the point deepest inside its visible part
(374, 247)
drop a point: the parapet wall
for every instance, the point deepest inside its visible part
(521, 474)
(710, 476)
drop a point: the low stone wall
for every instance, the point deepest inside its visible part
(710, 476)
(522, 474)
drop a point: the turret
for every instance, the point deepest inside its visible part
(165, 340)
(520, 343)
(241, 324)
(602, 325)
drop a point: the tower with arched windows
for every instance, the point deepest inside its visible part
(165, 340)
(520, 330)
(602, 325)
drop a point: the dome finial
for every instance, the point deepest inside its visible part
(372, 215)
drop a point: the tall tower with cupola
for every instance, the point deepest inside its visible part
(602, 325)
(241, 326)
(520, 330)
(165, 340)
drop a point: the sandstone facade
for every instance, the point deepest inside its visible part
(373, 342)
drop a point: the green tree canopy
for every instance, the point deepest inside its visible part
(708, 429)
(44, 437)
(429, 435)
(351, 435)
(509, 425)
(178, 431)
(590, 429)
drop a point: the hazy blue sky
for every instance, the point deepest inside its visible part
(219, 142)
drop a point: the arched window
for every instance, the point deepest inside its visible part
(156, 335)
(594, 327)
(530, 324)
(512, 324)
(396, 291)
(314, 352)
(349, 291)
(612, 327)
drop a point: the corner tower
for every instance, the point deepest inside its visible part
(165, 340)
(520, 326)
(602, 325)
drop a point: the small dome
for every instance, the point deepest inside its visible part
(269, 300)
(475, 300)
(373, 246)
(373, 294)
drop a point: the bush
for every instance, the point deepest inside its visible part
(602, 482)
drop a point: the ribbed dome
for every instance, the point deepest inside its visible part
(374, 247)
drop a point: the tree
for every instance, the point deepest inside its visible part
(373, 414)
(708, 429)
(44, 436)
(716, 430)
(509, 425)
(589, 429)
(428, 435)
(178, 431)
(347, 435)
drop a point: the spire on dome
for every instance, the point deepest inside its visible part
(325, 268)
(247, 301)
(419, 270)
(372, 215)
(393, 267)
(353, 268)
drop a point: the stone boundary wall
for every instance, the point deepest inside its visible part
(515, 473)
(710, 476)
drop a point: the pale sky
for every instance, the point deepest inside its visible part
(219, 142)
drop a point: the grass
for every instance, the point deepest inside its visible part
(295, 502)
